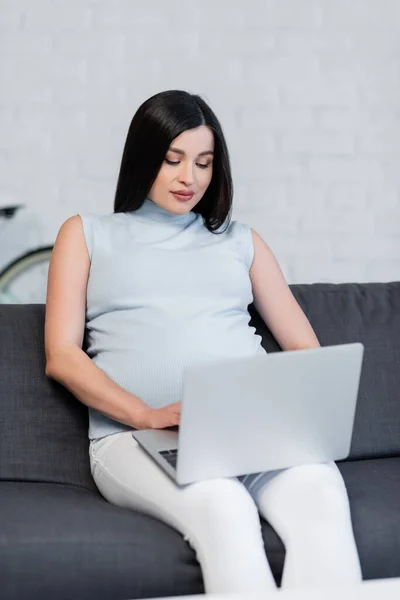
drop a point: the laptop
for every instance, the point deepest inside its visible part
(265, 412)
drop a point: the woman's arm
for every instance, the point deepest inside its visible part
(275, 302)
(66, 362)
(71, 367)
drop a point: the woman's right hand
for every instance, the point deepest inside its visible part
(159, 418)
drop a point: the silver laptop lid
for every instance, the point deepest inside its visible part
(265, 412)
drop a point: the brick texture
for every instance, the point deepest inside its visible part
(308, 94)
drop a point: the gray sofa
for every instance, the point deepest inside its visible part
(60, 539)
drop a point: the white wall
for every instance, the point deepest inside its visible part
(307, 91)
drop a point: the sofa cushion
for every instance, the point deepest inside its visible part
(374, 491)
(64, 542)
(359, 312)
(43, 428)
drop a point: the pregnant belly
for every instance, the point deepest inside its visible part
(157, 379)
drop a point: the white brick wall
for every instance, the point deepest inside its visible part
(308, 93)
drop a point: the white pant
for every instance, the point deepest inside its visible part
(307, 506)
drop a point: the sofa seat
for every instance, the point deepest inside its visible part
(374, 491)
(66, 542)
(52, 533)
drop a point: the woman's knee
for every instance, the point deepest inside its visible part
(221, 500)
(322, 489)
(310, 493)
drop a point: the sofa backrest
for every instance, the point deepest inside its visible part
(43, 427)
(369, 313)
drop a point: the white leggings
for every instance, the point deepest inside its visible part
(307, 506)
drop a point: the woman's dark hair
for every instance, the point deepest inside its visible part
(157, 122)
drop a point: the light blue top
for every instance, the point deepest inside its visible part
(164, 292)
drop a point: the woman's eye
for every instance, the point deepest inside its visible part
(170, 162)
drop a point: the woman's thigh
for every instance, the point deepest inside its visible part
(309, 475)
(128, 477)
(306, 494)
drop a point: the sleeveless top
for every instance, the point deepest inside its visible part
(164, 292)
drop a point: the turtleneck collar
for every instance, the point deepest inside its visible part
(153, 212)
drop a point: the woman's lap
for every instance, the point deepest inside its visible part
(115, 458)
(127, 476)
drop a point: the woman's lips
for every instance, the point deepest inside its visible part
(183, 196)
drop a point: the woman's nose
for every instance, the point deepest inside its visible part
(186, 174)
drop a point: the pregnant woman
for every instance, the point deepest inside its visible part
(162, 282)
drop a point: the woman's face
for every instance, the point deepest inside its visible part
(191, 170)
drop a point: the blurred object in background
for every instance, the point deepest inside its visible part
(24, 262)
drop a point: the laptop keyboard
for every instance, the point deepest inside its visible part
(171, 456)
